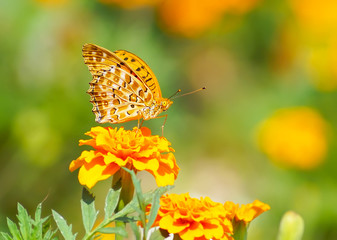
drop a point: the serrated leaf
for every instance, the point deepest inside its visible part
(156, 235)
(13, 229)
(65, 230)
(127, 219)
(135, 230)
(114, 230)
(46, 224)
(49, 235)
(133, 206)
(161, 190)
(37, 232)
(139, 195)
(38, 213)
(6, 236)
(136, 183)
(111, 202)
(89, 213)
(155, 205)
(24, 222)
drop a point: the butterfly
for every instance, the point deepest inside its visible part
(123, 87)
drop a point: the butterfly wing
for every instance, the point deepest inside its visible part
(117, 92)
(142, 70)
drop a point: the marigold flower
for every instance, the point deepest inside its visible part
(247, 212)
(192, 218)
(295, 137)
(136, 149)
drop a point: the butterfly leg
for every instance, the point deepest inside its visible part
(162, 126)
(139, 123)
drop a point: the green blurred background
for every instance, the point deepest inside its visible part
(255, 57)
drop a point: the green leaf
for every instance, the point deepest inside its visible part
(136, 183)
(111, 202)
(24, 222)
(65, 230)
(37, 224)
(38, 213)
(89, 213)
(6, 236)
(139, 195)
(133, 206)
(128, 219)
(135, 230)
(113, 230)
(13, 229)
(155, 205)
(161, 190)
(156, 235)
(46, 224)
(49, 235)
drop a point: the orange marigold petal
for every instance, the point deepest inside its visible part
(213, 229)
(89, 176)
(172, 225)
(86, 156)
(145, 131)
(250, 211)
(111, 158)
(146, 164)
(195, 230)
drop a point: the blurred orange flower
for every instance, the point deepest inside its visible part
(191, 18)
(192, 218)
(295, 137)
(188, 17)
(137, 150)
(315, 17)
(247, 212)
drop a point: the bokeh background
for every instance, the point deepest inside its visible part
(264, 129)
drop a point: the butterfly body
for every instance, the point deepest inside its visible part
(155, 109)
(123, 87)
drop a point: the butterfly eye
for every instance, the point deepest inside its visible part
(164, 103)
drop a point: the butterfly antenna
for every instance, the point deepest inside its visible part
(178, 91)
(203, 88)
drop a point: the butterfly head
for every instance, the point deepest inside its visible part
(165, 104)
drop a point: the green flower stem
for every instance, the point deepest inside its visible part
(240, 230)
(123, 180)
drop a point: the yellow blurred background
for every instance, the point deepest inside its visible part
(264, 129)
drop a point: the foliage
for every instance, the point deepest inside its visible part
(40, 228)
(29, 228)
